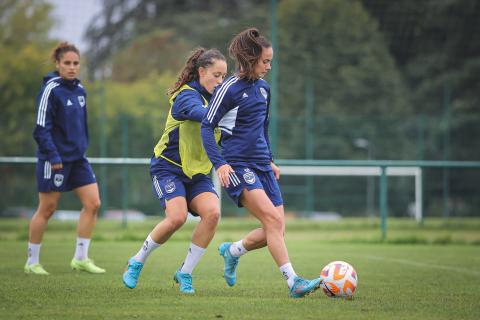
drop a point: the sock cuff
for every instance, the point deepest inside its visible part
(193, 246)
(152, 242)
(286, 265)
(32, 245)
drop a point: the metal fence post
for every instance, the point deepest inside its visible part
(383, 201)
(125, 191)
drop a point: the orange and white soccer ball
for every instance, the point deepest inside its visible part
(339, 279)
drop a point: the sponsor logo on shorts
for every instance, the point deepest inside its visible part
(58, 179)
(249, 176)
(170, 187)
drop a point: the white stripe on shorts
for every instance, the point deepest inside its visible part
(47, 170)
(157, 187)
(234, 179)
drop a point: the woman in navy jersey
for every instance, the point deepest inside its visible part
(245, 168)
(62, 136)
(179, 168)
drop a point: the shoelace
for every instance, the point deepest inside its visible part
(186, 282)
(135, 267)
(299, 284)
(234, 263)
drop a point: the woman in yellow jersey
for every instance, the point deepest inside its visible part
(179, 168)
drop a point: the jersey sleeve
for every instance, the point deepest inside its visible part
(220, 104)
(266, 124)
(44, 124)
(188, 105)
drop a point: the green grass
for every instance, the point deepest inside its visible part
(413, 275)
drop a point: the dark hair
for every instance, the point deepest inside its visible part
(246, 48)
(200, 57)
(61, 49)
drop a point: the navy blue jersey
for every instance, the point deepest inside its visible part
(61, 126)
(239, 107)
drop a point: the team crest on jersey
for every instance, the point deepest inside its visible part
(170, 187)
(249, 176)
(81, 100)
(58, 179)
(264, 92)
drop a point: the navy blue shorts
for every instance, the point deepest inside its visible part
(73, 175)
(166, 186)
(248, 178)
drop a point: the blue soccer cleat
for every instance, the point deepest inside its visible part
(185, 282)
(132, 272)
(302, 287)
(230, 266)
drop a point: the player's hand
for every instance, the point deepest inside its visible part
(223, 173)
(276, 170)
(57, 166)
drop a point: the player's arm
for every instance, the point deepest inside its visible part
(188, 105)
(275, 168)
(215, 112)
(43, 128)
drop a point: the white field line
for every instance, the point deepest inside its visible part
(426, 265)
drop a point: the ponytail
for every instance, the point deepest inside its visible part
(200, 57)
(246, 48)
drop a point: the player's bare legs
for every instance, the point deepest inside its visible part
(273, 222)
(207, 206)
(90, 199)
(47, 204)
(175, 216)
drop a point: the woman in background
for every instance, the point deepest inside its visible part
(61, 133)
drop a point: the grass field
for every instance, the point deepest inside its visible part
(429, 272)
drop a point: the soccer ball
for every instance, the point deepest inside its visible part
(339, 279)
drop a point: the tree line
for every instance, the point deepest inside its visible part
(402, 75)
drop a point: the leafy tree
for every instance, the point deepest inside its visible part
(336, 47)
(143, 104)
(24, 51)
(197, 23)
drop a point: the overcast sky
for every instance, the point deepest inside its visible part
(72, 18)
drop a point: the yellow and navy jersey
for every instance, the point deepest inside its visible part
(181, 143)
(240, 109)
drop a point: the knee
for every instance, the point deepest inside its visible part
(93, 206)
(46, 210)
(274, 221)
(176, 221)
(211, 217)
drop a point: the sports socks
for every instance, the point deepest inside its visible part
(288, 273)
(193, 256)
(148, 246)
(33, 253)
(237, 249)
(81, 250)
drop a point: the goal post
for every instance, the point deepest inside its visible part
(415, 172)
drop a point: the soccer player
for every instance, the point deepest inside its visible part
(179, 168)
(62, 136)
(245, 166)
